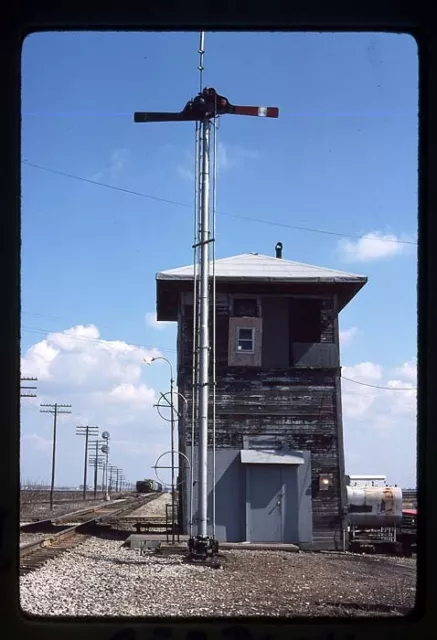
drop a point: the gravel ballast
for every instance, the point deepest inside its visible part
(154, 508)
(102, 578)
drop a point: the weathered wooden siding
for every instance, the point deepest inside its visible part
(300, 410)
(278, 349)
(298, 404)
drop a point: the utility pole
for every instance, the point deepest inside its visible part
(118, 481)
(27, 395)
(55, 409)
(86, 431)
(96, 464)
(96, 461)
(112, 471)
(207, 105)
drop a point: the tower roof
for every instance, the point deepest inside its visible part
(260, 268)
(256, 270)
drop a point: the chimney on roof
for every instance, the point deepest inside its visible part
(278, 249)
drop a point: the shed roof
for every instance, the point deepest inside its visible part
(255, 272)
(254, 266)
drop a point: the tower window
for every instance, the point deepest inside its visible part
(245, 308)
(245, 339)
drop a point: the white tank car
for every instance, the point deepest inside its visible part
(373, 507)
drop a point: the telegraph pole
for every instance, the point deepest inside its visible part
(86, 431)
(55, 409)
(207, 105)
(96, 461)
(112, 470)
(27, 395)
(96, 464)
(118, 481)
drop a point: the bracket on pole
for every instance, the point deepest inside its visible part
(206, 105)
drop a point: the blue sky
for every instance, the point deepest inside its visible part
(342, 157)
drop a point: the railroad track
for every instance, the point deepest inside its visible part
(36, 553)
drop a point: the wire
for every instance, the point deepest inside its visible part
(374, 386)
(222, 213)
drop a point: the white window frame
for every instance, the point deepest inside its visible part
(249, 351)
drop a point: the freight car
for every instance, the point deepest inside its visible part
(148, 486)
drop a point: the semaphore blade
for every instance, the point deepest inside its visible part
(158, 116)
(266, 112)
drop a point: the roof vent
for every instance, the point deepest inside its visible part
(278, 249)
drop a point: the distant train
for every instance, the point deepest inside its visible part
(148, 486)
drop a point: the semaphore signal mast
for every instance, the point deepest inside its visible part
(204, 107)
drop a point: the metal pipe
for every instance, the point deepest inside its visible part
(214, 324)
(204, 335)
(172, 456)
(194, 361)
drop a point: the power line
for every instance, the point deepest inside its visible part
(43, 315)
(222, 213)
(374, 386)
(27, 379)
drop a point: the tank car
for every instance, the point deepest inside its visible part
(374, 507)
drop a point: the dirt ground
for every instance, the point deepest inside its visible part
(330, 584)
(37, 507)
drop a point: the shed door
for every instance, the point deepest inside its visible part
(265, 503)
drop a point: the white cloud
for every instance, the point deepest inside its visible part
(37, 443)
(232, 156)
(408, 371)
(347, 336)
(117, 160)
(152, 322)
(380, 423)
(365, 371)
(185, 173)
(373, 246)
(105, 381)
(228, 157)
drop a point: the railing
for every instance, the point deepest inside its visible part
(171, 523)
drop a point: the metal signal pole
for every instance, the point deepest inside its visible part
(207, 105)
(86, 431)
(55, 409)
(204, 346)
(105, 449)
